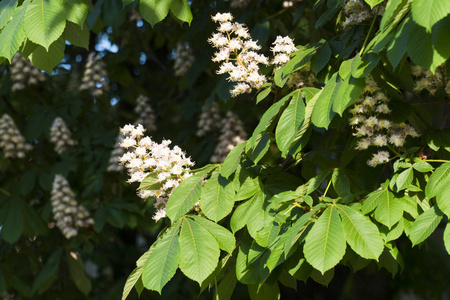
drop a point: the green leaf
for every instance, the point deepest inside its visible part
(185, 196)
(150, 182)
(423, 166)
(7, 8)
(265, 292)
(163, 261)
(362, 66)
(298, 60)
(447, 237)
(48, 272)
(199, 251)
(311, 95)
(13, 33)
(322, 113)
(76, 11)
(77, 36)
(439, 179)
(226, 286)
(325, 243)
(321, 58)
(426, 13)
(393, 233)
(247, 272)
(424, 225)
(374, 199)
(299, 230)
(241, 214)
(263, 94)
(217, 198)
(226, 239)
(397, 47)
(232, 160)
(404, 179)
(76, 270)
(389, 210)
(260, 147)
(443, 199)
(421, 49)
(341, 182)
(290, 122)
(373, 3)
(154, 11)
(47, 61)
(181, 10)
(361, 234)
(45, 22)
(131, 281)
(13, 224)
(266, 121)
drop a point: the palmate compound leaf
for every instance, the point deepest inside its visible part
(389, 210)
(45, 21)
(163, 261)
(217, 199)
(199, 251)
(424, 225)
(186, 194)
(325, 244)
(361, 234)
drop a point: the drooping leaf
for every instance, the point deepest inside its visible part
(163, 261)
(325, 244)
(405, 178)
(439, 179)
(13, 223)
(154, 11)
(322, 113)
(241, 214)
(48, 60)
(181, 10)
(374, 199)
(199, 251)
(217, 199)
(185, 196)
(232, 160)
(226, 239)
(290, 122)
(76, 11)
(265, 292)
(48, 272)
(443, 199)
(13, 33)
(426, 13)
(424, 225)
(361, 234)
(321, 58)
(299, 60)
(76, 35)
(7, 8)
(389, 210)
(447, 237)
(373, 3)
(362, 66)
(45, 21)
(131, 281)
(79, 277)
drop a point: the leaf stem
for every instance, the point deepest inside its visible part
(437, 160)
(370, 31)
(326, 190)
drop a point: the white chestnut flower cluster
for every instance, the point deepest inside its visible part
(95, 76)
(113, 163)
(302, 78)
(61, 136)
(357, 12)
(69, 215)
(209, 120)
(371, 126)
(282, 49)
(237, 54)
(23, 73)
(169, 166)
(12, 141)
(183, 58)
(145, 112)
(425, 80)
(232, 134)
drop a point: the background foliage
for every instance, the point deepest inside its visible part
(304, 204)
